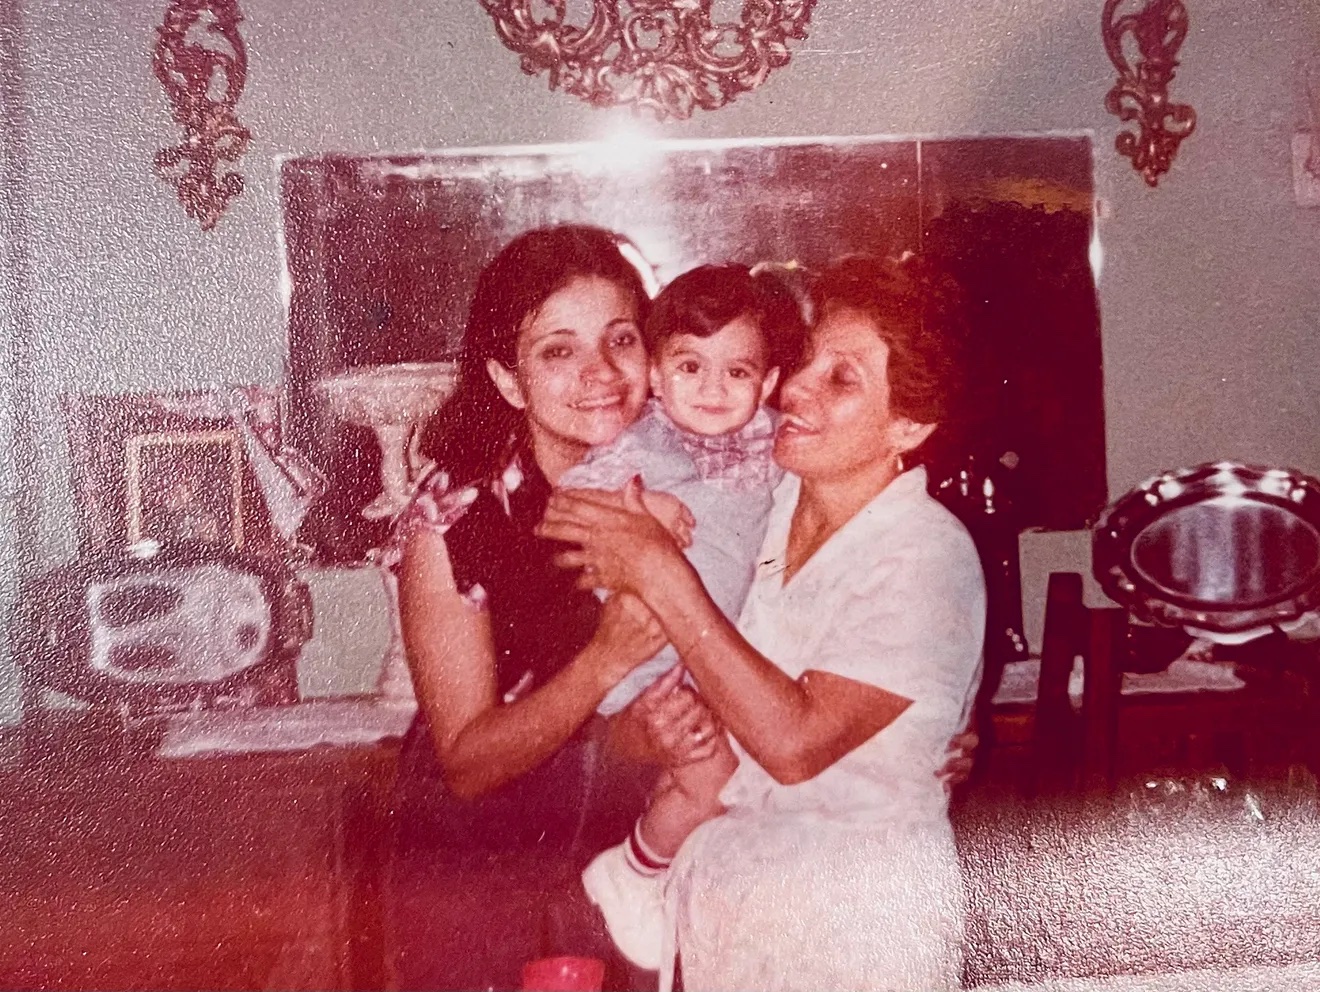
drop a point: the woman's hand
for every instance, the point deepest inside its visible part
(680, 727)
(628, 634)
(620, 547)
(959, 759)
(670, 511)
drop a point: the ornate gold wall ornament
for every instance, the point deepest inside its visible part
(666, 56)
(201, 61)
(1142, 91)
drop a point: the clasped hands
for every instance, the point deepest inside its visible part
(620, 537)
(681, 729)
(679, 726)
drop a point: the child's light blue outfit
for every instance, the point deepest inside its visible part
(726, 481)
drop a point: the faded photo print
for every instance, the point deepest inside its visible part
(603, 495)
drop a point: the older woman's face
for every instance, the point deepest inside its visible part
(582, 368)
(837, 420)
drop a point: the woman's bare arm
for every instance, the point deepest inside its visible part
(794, 728)
(482, 743)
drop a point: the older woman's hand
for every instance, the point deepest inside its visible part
(680, 727)
(620, 544)
(959, 759)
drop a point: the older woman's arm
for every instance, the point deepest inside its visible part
(481, 742)
(794, 728)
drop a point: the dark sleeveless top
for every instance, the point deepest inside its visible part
(476, 887)
(539, 622)
(539, 619)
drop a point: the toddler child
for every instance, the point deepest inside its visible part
(717, 336)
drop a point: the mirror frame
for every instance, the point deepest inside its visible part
(1115, 536)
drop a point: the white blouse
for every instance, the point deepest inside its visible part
(895, 599)
(850, 880)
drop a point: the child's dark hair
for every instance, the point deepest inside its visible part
(477, 431)
(705, 299)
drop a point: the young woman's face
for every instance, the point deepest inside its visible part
(581, 371)
(837, 419)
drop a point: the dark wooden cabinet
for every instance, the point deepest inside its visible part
(235, 872)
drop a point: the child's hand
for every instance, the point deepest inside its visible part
(959, 759)
(678, 723)
(673, 513)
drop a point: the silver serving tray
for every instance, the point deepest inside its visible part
(1223, 548)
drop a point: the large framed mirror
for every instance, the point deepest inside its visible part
(383, 251)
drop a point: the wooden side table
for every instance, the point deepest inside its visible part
(121, 870)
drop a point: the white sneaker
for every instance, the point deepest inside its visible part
(632, 905)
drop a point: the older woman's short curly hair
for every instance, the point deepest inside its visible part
(919, 312)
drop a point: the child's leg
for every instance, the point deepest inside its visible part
(685, 798)
(627, 882)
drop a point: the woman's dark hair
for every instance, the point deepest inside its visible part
(704, 299)
(477, 431)
(919, 313)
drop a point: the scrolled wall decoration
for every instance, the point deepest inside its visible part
(201, 61)
(1141, 94)
(664, 56)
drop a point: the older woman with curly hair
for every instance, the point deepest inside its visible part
(854, 662)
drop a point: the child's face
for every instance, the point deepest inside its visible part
(713, 385)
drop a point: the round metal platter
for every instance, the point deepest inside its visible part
(1223, 547)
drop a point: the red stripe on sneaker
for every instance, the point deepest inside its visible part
(640, 860)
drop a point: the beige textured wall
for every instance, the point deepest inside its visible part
(12, 338)
(1208, 296)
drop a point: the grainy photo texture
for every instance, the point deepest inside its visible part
(660, 495)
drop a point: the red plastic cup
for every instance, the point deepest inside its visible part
(564, 974)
